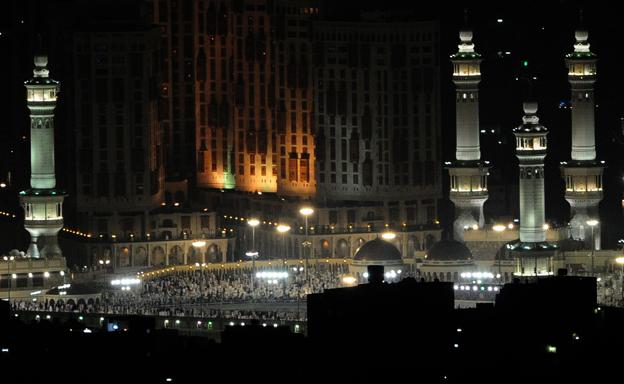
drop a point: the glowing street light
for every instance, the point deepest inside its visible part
(306, 211)
(388, 235)
(283, 228)
(198, 243)
(499, 228)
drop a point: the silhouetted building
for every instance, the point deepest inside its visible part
(377, 122)
(119, 141)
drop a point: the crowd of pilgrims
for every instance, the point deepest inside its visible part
(198, 293)
(610, 288)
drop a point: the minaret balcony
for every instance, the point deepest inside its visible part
(43, 222)
(468, 198)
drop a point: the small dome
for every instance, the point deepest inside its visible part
(446, 250)
(377, 250)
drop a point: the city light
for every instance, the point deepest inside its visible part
(349, 280)
(551, 349)
(546, 226)
(125, 282)
(390, 274)
(620, 260)
(477, 275)
(198, 243)
(388, 235)
(253, 222)
(498, 228)
(592, 223)
(306, 211)
(475, 227)
(282, 228)
(272, 275)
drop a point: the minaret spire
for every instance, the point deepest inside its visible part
(532, 253)
(42, 203)
(468, 174)
(583, 173)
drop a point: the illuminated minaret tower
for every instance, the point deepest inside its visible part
(468, 174)
(42, 203)
(532, 253)
(583, 174)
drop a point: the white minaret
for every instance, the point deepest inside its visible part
(583, 174)
(468, 174)
(532, 253)
(42, 203)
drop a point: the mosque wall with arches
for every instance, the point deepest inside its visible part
(162, 253)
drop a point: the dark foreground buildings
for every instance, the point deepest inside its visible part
(549, 330)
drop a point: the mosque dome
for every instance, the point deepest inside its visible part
(378, 250)
(447, 250)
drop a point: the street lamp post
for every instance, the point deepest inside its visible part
(283, 228)
(104, 264)
(253, 223)
(500, 228)
(8, 260)
(592, 223)
(306, 211)
(199, 244)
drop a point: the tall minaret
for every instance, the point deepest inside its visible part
(42, 203)
(468, 174)
(532, 253)
(583, 174)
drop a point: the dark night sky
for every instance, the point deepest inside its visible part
(538, 31)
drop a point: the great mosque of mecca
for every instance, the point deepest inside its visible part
(524, 247)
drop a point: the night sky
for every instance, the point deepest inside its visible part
(536, 31)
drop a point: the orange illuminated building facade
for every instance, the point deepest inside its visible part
(253, 88)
